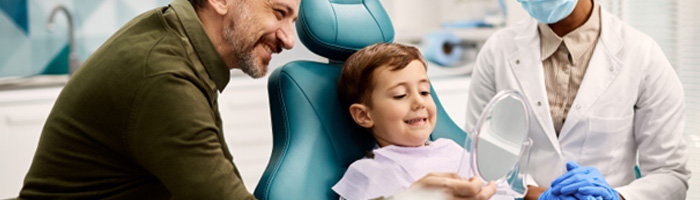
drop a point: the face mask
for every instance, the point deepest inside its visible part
(549, 11)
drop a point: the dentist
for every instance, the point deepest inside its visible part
(603, 95)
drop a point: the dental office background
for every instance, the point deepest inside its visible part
(34, 64)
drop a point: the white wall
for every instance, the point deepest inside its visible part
(426, 15)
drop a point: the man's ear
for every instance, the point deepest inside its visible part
(219, 6)
(360, 114)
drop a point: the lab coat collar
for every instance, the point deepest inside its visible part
(527, 68)
(610, 32)
(602, 70)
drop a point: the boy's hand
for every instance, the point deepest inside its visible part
(457, 187)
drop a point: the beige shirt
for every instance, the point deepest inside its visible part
(565, 60)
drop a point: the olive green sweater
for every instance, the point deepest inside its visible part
(139, 119)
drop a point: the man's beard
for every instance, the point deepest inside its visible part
(243, 46)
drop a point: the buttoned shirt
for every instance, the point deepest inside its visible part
(565, 60)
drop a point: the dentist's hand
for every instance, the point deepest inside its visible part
(547, 195)
(583, 181)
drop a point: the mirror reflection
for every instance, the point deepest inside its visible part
(500, 145)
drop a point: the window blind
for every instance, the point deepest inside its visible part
(688, 61)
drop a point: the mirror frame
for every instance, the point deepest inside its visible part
(515, 177)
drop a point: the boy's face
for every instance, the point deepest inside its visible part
(402, 112)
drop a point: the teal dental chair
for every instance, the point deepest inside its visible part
(314, 137)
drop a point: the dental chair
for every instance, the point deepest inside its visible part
(314, 137)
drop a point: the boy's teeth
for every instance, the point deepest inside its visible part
(415, 120)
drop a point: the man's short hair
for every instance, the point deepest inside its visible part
(355, 84)
(197, 4)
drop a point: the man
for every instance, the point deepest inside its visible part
(602, 94)
(140, 119)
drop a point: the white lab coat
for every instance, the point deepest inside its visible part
(630, 104)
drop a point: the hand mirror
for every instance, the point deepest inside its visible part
(499, 145)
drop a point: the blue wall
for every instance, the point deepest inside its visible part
(28, 48)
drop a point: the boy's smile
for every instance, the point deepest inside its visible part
(417, 121)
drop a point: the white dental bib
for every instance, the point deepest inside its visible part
(394, 168)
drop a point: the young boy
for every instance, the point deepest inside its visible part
(386, 88)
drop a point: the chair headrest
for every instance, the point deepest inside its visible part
(337, 28)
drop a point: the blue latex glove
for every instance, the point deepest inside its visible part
(586, 181)
(547, 195)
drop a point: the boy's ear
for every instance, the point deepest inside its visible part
(360, 114)
(219, 6)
